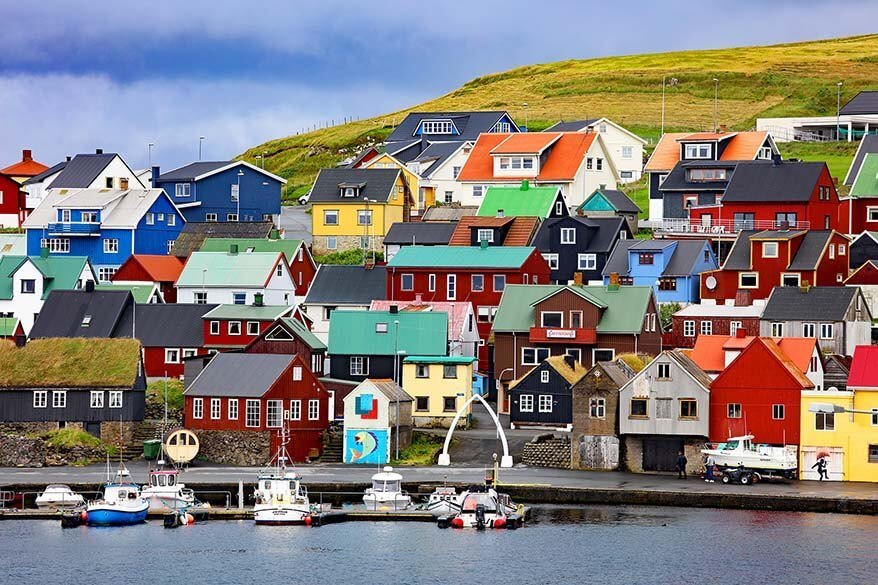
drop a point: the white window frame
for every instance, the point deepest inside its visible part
(150, 218)
(485, 234)
(431, 282)
(327, 214)
(41, 399)
(568, 236)
(551, 260)
(663, 371)
(232, 409)
(872, 213)
(364, 217)
(770, 249)
(473, 287)
(402, 282)
(172, 355)
(116, 399)
(210, 217)
(233, 328)
(597, 349)
(543, 318)
(689, 328)
(231, 217)
(216, 408)
(96, 399)
(777, 328)
(295, 409)
(734, 410)
(545, 403)
(182, 189)
(252, 327)
(544, 377)
(198, 408)
(587, 261)
(313, 409)
(451, 287)
(827, 330)
(297, 373)
(697, 151)
(274, 413)
(111, 246)
(214, 327)
(494, 282)
(627, 151)
(734, 326)
(526, 403)
(537, 351)
(361, 363)
(247, 411)
(706, 327)
(809, 326)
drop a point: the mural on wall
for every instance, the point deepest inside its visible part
(366, 446)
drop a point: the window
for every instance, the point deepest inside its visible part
(734, 326)
(198, 408)
(559, 208)
(589, 163)
(688, 328)
(327, 312)
(790, 279)
(449, 403)
(96, 399)
(638, 408)
(111, 246)
(486, 314)
(478, 282)
(478, 190)
(734, 410)
(295, 409)
(664, 371)
(748, 280)
(234, 193)
(215, 408)
(65, 216)
(331, 243)
(380, 327)
(454, 172)
(330, 217)
(252, 327)
(239, 298)
(279, 271)
(210, 217)
(407, 282)
(769, 249)
(667, 283)
(297, 373)
(597, 408)
(575, 319)
(602, 355)
(841, 249)
(437, 127)
(698, 151)
(702, 175)
(627, 151)
(777, 411)
(545, 403)
(499, 282)
(150, 219)
(531, 356)
(504, 163)
(422, 403)
(587, 261)
(40, 399)
(646, 258)
(552, 319)
(234, 328)
(366, 242)
(626, 174)
(364, 217)
(313, 409)
(824, 421)
(526, 403)
(706, 327)
(449, 196)
(485, 235)
(809, 329)
(873, 453)
(106, 273)
(449, 371)
(273, 413)
(422, 371)
(568, 235)
(115, 399)
(28, 286)
(575, 353)
(252, 415)
(172, 356)
(826, 330)
(182, 189)
(359, 366)
(56, 245)
(451, 287)
(872, 214)
(598, 164)
(777, 329)
(832, 251)
(431, 282)
(551, 260)
(200, 298)
(231, 217)
(688, 408)
(690, 201)
(233, 409)
(544, 377)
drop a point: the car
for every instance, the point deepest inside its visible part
(303, 200)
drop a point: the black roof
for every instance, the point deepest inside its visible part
(810, 250)
(865, 102)
(468, 124)
(239, 374)
(868, 145)
(82, 170)
(64, 314)
(620, 200)
(767, 182)
(819, 303)
(438, 152)
(47, 173)
(194, 233)
(347, 285)
(682, 262)
(192, 170)
(676, 179)
(604, 232)
(378, 184)
(420, 233)
(739, 255)
(170, 325)
(571, 126)
(807, 256)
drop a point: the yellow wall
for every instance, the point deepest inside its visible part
(383, 216)
(414, 181)
(436, 387)
(853, 432)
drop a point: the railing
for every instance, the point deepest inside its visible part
(719, 227)
(74, 229)
(562, 335)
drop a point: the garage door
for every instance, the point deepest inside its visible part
(835, 462)
(660, 454)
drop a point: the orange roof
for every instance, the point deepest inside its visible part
(526, 143)
(707, 136)
(741, 146)
(799, 350)
(666, 153)
(565, 158)
(744, 146)
(520, 233)
(797, 373)
(24, 168)
(160, 268)
(709, 350)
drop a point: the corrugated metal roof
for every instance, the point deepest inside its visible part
(413, 233)
(171, 325)
(866, 183)
(819, 303)
(252, 312)
(378, 185)
(347, 285)
(515, 201)
(810, 250)
(81, 171)
(759, 181)
(192, 170)
(219, 269)
(120, 208)
(194, 233)
(375, 333)
(461, 257)
(77, 313)
(240, 374)
(468, 124)
(248, 245)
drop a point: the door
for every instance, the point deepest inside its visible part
(93, 428)
(834, 457)
(660, 454)
(331, 408)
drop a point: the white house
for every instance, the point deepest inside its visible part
(625, 148)
(439, 165)
(377, 417)
(236, 278)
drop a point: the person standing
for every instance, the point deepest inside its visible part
(681, 465)
(821, 469)
(708, 469)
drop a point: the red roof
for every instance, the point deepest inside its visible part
(564, 159)
(26, 167)
(864, 368)
(160, 268)
(710, 350)
(526, 143)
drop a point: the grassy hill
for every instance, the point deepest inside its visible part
(777, 80)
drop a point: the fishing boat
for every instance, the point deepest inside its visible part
(165, 491)
(443, 501)
(386, 492)
(743, 452)
(280, 496)
(121, 505)
(59, 497)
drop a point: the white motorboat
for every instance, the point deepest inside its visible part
(743, 452)
(386, 492)
(444, 501)
(59, 496)
(120, 505)
(165, 492)
(480, 508)
(280, 496)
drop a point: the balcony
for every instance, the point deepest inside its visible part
(74, 229)
(561, 335)
(718, 228)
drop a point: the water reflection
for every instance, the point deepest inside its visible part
(598, 515)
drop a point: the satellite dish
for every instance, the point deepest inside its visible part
(181, 446)
(710, 282)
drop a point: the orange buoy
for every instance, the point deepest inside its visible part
(190, 519)
(84, 515)
(307, 520)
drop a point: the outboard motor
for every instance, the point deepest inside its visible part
(480, 517)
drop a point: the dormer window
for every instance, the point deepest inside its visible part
(516, 162)
(502, 127)
(437, 127)
(698, 151)
(89, 217)
(485, 235)
(86, 321)
(769, 249)
(65, 216)
(764, 153)
(349, 192)
(701, 175)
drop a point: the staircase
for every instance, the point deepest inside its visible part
(332, 447)
(144, 431)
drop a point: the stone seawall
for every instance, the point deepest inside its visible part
(547, 451)
(244, 448)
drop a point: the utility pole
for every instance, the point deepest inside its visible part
(200, 140)
(838, 110)
(663, 107)
(149, 153)
(715, 98)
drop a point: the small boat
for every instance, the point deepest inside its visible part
(165, 492)
(121, 505)
(280, 496)
(59, 497)
(443, 501)
(480, 508)
(386, 492)
(742, 452)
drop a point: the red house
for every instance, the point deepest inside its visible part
(255, 392)
(12, 204)
(477, 274)
(231, 327)
(162, 270)
(690, 322)
(758, 393)
(169, 333)
(762, 260)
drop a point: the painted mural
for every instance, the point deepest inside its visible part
(368, 446)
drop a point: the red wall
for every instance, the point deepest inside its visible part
(226, 341)
(721, 326)
(154, 362)
(304, 267)
(131, 270)
(13, 199)
(854, 211)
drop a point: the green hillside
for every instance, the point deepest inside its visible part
(777, 80)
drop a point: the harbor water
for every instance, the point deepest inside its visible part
(599, 544)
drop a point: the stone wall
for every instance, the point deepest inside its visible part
(118, 433)
(440, 422)
(318, 246)
(547, 451)
(246, 448)
(22, 448)
(27, 428)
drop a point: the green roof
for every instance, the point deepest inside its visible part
(263, 313)
(439, 359)
(304, 333)
(142, 293)
(515, 201)
(597, 202)
(356, 333)
(461, 256)
(866, 183)
(625, 310)
(60, 272)
(228, 270)
(288, 247)
(8, 325)
(74, 362)
(15, 244)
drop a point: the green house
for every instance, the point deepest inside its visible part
(866, 183)
(524, 201)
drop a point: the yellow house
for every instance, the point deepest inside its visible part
(842, 426)
(424, 196)
(439, 385)
(354, 208)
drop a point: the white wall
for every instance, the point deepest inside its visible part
(25, 306)
(443, 179)
(320, 326)
(586, 181)
(614, 139)
(117, 169)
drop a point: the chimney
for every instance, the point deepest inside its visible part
(26, 155)
(20, 340)
(154, 176)
(483, 244)
(614, 281)
(570, 361)
(723, 128)
(394, 309)
(740, 333)
(501, 213)
(804, 287)
(258, 299)
(89, 286)
(577, 279)
(44, 252)
(525, 185)
(580, 212)
(99, 151)
(233, 249)
(273, 234)
(369, 263)
(68, 158)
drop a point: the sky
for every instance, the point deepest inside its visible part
(115, 74)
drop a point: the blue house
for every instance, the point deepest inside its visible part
(222, 191)
(671, 267)
(104, 225)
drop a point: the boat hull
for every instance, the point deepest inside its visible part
(60, 504)
(279, 516)
(164, 501)
(114, 517)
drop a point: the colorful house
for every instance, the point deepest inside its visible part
(352, 288)
(147, 292)
(859, 210)
(24, 169)
(866, 279)
(10, 328)
(709, 318)
(496, 231)
(543, 397)
(354, 208)
(863, 248)
(13, 209)
(233, 327)
(624, 147)
(377, 422)
(105, 225)
(524, 200)
(169, 333)
(222, 191)
(439, 386)
(463, 334)
(610, 202)
(418, 233)
(289, 336)
(575, 244)
(85, 313)
(423, 196)
(194, 234)
(236, 278)
(162, 270)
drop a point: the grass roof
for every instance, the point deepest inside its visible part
(70, 362)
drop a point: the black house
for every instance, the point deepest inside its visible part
(579, 244)
(85, 313)
(695, 182)
(544, 396)
(863, 249)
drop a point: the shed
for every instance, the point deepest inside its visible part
(377, 422)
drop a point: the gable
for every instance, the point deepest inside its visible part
(597, 202)
(759, 368)
(565, 300)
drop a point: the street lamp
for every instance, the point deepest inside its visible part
(715, 98)
(525, 117)
(149, 153)
(366, 224)
(203, 289)
(264, 154)
(838, 110)
(396, 353)
(238, 197)
(829, 408)
(200, 140)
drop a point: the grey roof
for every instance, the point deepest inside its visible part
(618, 260)
(603, 236)
(767, 182)
(820, 303)
(82, 170)
(347, 285)
(687, 254)
(468, 124)
(620, 201)
(391, 390)
(810, 250)
(406, 151)
(421, 233)
(194, 233)
(379, 184)
(449, 212)
(739, 255)
(691, 367)
(192, 170)
(64, 311)
(676, 179)
(571, 126)
(865, 102)
(682, 262)
(170, 325)
(619, 376)
(439, 152)
(47, 173)
(807, 256)
(239, 374)
(868, 145)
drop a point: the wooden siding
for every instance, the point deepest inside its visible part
(17, 405)
(557, 387)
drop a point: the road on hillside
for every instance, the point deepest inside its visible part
(295, 222)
